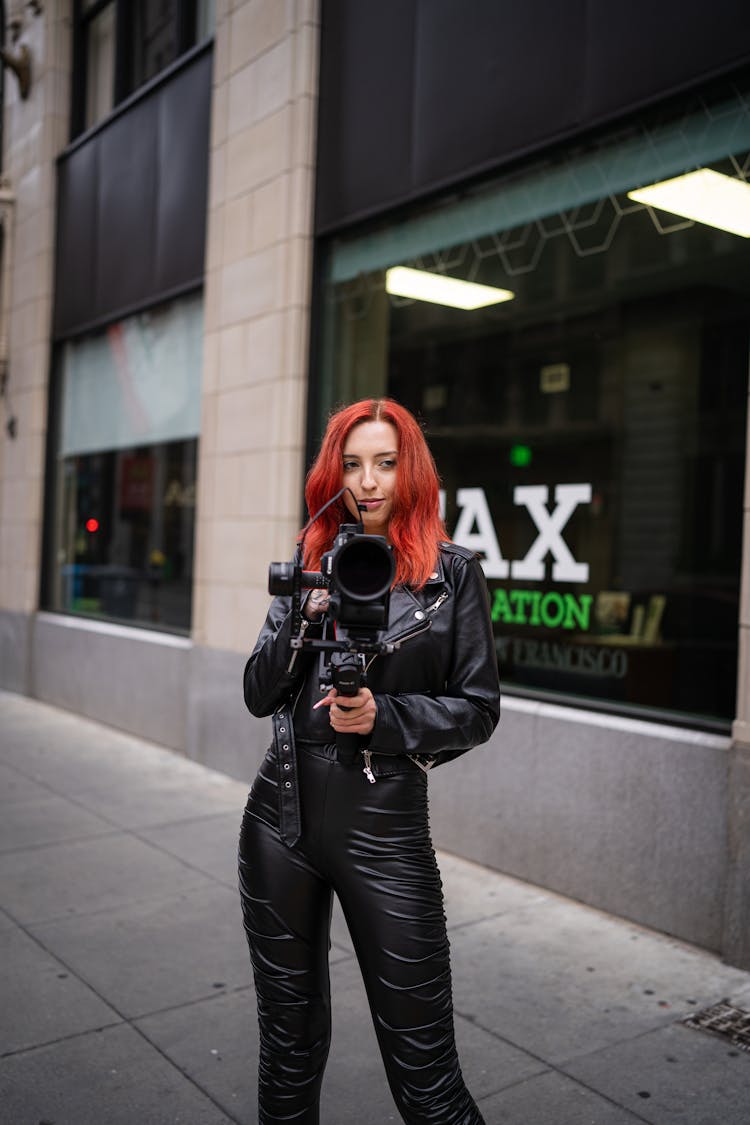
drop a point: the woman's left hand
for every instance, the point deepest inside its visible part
(350, 714)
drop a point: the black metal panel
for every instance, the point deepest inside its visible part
(75, 276)
(182, 160)
(422, 94)
(126, 196)
(651, 48)
(491, 78)
(366, 103)
(132, 201)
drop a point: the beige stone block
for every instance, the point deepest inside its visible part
(303, 132)
(222, 63)
(219, 114)
(289, 397)
(256, 484)
(13, 500)
(260, 153)
(30, 408)
(308, 11)
(29, 454)
(198, 612)
(305, 42)
(274, 77)
(296, 341)
(227, 492)
(252, 286)
(243, 97)
(238, 221)
(301, 202)
(297, 272)
(212, 301)
(215, 237)
(232, 356)
(287, 483)
(270, 211)
(231, 547)
(210, 362)
(33, 362)
(209, 424)
(217, 616)
(217, 175)
(39, 313)
(242, 420)
(265, 348)
(205, 485)
(256, 26)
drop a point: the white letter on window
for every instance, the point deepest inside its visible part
(474, 510)
(550, 525)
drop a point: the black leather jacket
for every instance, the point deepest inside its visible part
(437, 695)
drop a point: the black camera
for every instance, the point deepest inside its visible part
(358, 572)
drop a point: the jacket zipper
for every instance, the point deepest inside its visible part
(394, 645)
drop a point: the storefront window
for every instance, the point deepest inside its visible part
(126, 469)
(589, 425)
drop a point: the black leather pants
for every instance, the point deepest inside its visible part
(370, 844)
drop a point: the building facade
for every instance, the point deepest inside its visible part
(221, 220)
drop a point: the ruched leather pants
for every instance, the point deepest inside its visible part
(370, 844)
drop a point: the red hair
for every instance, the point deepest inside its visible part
(415, 527)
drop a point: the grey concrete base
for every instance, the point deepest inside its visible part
(221, 731)
(15, 629)
(624, 815)
(133, 679)
(737, 906)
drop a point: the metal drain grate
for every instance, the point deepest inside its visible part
(725, 1020)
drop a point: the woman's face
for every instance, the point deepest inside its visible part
(369, 467)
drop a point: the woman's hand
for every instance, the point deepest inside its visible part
(316, 605)
(350, 714)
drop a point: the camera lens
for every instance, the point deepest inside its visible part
(363, 568)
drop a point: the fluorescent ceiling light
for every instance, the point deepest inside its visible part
(705, 196)
(441, 290)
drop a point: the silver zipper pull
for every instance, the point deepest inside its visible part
(367, 771)
(437, 604)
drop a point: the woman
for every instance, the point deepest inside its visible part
(314, 825)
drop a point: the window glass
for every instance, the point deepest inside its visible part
(204, 19)
(155, 38)
(590, 426)
(126, 470)
(100, 65)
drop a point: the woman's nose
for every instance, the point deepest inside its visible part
(368, 481)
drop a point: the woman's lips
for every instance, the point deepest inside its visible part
(368, 505)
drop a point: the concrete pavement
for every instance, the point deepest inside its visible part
(125, 986)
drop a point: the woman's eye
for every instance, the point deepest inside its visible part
(349, 466)
(389, 464)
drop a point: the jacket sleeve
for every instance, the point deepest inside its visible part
(273, 670)
(466, 711)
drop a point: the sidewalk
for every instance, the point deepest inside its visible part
(125, 985)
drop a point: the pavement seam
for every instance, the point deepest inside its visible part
(547, 1067)
(128, 1022)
